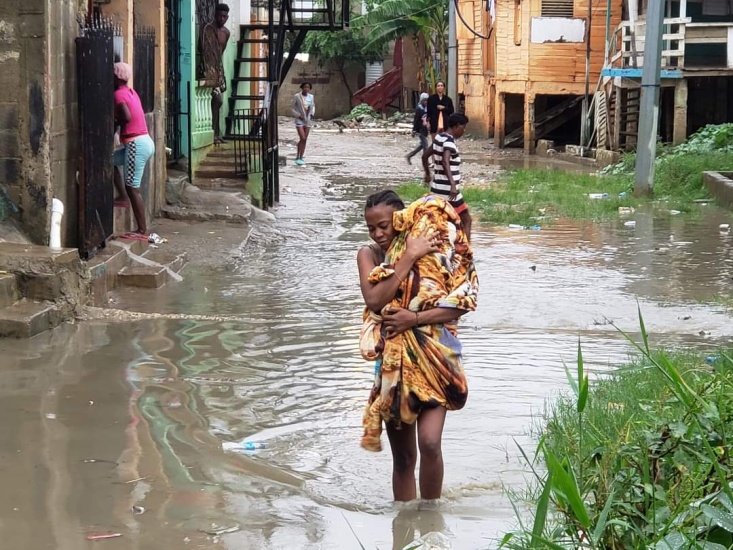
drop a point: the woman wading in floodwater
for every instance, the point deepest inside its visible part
(417, 281)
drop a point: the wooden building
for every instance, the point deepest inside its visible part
(696, 77)
(527, 81)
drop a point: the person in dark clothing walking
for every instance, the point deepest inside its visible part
(440, 107)
(420, 126)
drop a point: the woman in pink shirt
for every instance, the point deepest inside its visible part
(137, 148)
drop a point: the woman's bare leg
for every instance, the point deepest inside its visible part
(430, 439)
(404, 458)
(302, 136)
(306, 133)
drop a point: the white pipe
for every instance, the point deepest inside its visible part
(57, 212)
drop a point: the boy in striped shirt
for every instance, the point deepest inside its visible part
(446, 181)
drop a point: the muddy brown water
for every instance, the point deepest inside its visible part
(99, 417)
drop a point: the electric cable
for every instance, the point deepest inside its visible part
(470, 28)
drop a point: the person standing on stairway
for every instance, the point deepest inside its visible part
(304, 109)
(214, 39)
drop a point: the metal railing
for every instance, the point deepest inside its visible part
(249, 132)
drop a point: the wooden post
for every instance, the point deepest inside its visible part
(500, 117)
(529, 123)
(679, 130)
(617, 110)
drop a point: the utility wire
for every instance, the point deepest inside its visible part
(470, 28)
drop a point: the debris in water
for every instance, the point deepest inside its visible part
(533, 267)
(685, 318)
(516, 226)
(711, 359)
(217, 531)
(431, 541)
(243, 445)
(137, 510)
(103, 536)
(536, 227)
(724, 227)
(630, 223)
(625, 210)
(51, 416)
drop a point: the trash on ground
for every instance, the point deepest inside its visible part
(674, 212)
(103, 536)
(533, 267)
(597, 196)
(536, 227)
(623, 194)
(724, 227)
(711, 359)
(137, 510)
(516, 226)
(625, 210)
(630, 223)
(51, 416)
(154, 238)
(431, 541)
(243, 445)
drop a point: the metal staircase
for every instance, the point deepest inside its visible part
(265, 53)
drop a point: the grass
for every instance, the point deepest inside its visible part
(528, 197)
(642, 459)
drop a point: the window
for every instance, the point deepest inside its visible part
(557, 8)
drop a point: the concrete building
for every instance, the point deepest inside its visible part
(39, 110)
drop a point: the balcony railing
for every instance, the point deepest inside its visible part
(627, 47)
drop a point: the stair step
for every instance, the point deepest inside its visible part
(215, 173)
(142, 276)
(8, 290)
(247, 97)
(26, 319)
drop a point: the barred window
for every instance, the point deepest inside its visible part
(557, 8)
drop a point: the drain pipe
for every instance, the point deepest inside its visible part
(57, 212)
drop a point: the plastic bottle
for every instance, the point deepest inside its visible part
(536, 228)
(515, 226)
(243, 445)
(596, 196)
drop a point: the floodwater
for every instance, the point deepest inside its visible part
(100, 417)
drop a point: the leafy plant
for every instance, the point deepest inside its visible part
(640, 460)
(423, 21)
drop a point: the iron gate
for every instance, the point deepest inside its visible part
(249, 132)
(144, 66)
(173, 110)
(94, 69)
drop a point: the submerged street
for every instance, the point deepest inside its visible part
(127, 423)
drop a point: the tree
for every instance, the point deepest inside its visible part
(424, 21)
(345, 49)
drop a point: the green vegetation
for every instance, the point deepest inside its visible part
(527, 197)
(640, 460)
(361, 110)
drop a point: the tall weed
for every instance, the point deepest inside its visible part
(642, 461)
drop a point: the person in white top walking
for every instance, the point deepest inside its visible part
(304, 108)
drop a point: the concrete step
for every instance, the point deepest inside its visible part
(8, 290)
(104, 268)
(146, 276)
(225, 163)
(124, 221)
(228, 182)
(26, 319)
(215, 172)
